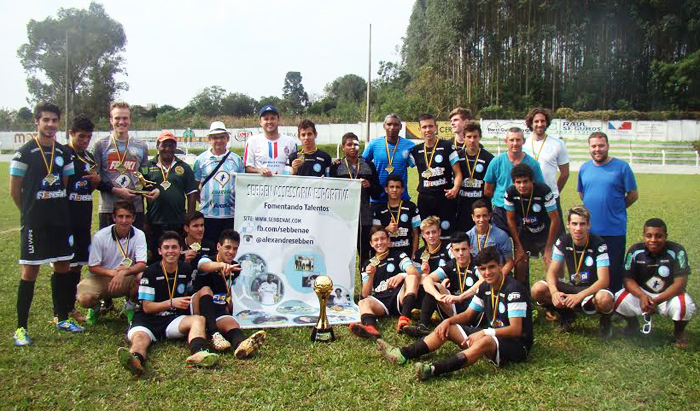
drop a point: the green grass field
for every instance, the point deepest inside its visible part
(574, 371)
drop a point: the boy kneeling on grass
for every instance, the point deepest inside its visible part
(164, 312)
(389, 286)
(505, 305)
(213, 287)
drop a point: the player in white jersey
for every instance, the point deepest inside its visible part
(268, 291)
(267, 153)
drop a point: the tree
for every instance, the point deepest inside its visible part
(209, 102)
(91, 43)
(293, 92)
(238, 104)
(349, 87)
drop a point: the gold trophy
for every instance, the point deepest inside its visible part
(322, 331)
(142, 186)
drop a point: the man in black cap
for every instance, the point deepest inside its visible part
(267, 153)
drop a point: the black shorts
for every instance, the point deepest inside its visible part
(586, 306)
(508, 350)
(219, 312)
(157, 326)
(499, 218)
(464, 220)
(390, 300)
(81, 246)
(48, 245)
(437, 205)
(534, 243)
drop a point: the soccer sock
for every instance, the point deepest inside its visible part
(25, 294)
(208, 311)
(368, 319)
(54, 294)
(235, 337)
(415, 350)
(62, 296)
(427, 308)
(450, 364)
(409, 301)
(197, 344)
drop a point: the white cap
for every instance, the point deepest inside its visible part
(217, 127)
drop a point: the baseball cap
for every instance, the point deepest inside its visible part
(217, 127)
(269, 107)
(166, 135)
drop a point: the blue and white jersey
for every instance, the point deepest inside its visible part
(218, 195)
(594, 255)
(400, 154)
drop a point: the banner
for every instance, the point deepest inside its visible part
(294, 229)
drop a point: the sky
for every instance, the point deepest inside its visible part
(177, 48)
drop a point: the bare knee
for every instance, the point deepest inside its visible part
(604, 301)
(87, 300)
(540, 292)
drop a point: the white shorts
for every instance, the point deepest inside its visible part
(678, 308)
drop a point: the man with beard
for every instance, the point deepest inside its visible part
(267, 153)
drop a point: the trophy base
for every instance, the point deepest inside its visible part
(322, 335)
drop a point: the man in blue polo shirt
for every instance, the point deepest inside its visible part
(390, 155)
(497, 178)
(607, 187)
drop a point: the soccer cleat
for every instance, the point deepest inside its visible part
(203, 359)
(403, 321)
(632, 327)
(423, 370)
(365, 331)
(681, 343)
(92, 316)
(22, 337)
(69, 325)
(130, 361)
(250, 345)
(435, 318)
(604, 327)
(418, 330)
(391, 353)
(219, 342)
(566, 321)
(415, 314)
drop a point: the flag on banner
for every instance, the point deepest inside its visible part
(294, 229)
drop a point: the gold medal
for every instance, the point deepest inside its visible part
(497, 324)
(427, 174)
(127, 262)
(374, 261)
(228, 299)
(195, 246)
(425, 256)
(470, 182)
(121, 168)
(389, 169)
(577, 278)
(91, 168)
(301, 156)
(165, 185)
(50, 179)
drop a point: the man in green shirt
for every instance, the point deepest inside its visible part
(175, 180)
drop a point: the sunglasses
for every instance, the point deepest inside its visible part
(646, 328)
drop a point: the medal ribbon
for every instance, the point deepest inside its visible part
(429, 164)
(228, 283)
(462, 280)
(494, 300)
(49, 165)
(389, 159)
(529, 203)
(116, 147)
(476, 160)
(433, 251)
(395, 220)
(583, 252)
(383, 255)
(171, 292)
(537, 156)
(165, 174)
(119, 244)
(478, 243)
(87, 160)
(357, 170)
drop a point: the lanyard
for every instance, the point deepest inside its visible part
(529, 203)
(476, 160)
(462, 279)
(87, 160)
(390, 159)
(357, 170)
(48, 164)
(494, 299)
(125, 252)
(395, 220)
(583, 252)
(429, 164)
(478, 243)
(163, 172)
(126, 148)
(171, 291)
(537, 156)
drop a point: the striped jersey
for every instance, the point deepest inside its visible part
(218, 195)
(263, 153)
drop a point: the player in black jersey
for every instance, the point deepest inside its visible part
(449, 287)
(533, 220)
(401, 218)
(39, 173)
(474, 161)
(309, 160)
(503, 303)
(655, 278)
(164, 310)
(587, 265)
(389, 286)
(213, 288)
(439, 175)
(80, 188)
(354, 167)
(195, 245)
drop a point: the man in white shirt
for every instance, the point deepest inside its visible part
(268, 291)
(267, 153)
(550, 152)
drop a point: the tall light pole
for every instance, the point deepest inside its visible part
(369, 80)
